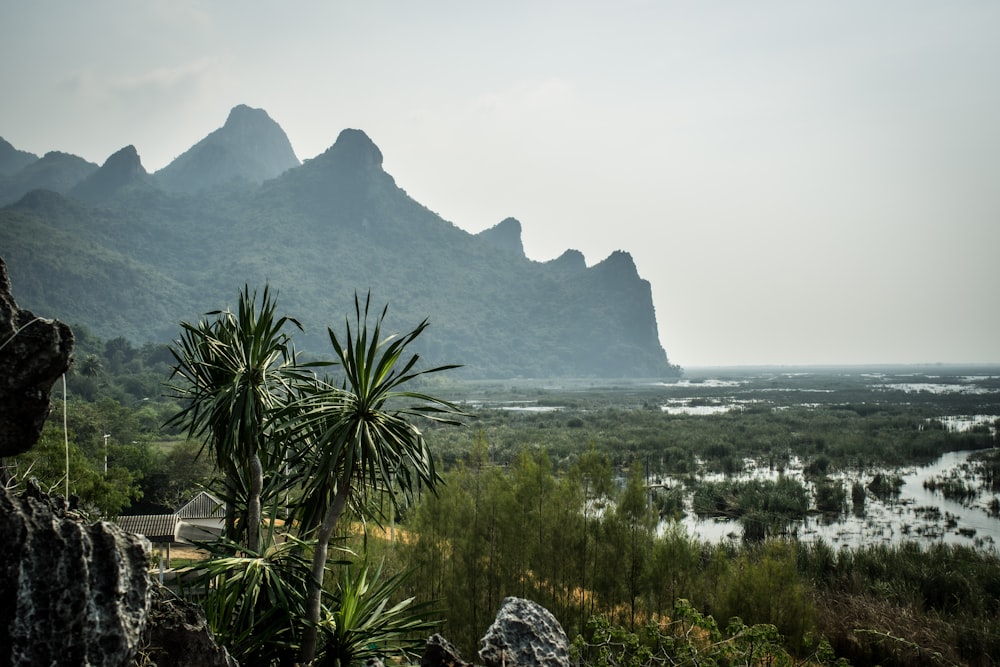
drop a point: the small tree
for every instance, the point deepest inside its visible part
(233, 371)
(355, 438)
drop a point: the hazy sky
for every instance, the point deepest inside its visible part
(800, 182)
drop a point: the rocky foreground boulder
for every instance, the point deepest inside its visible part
(524, 634)
(72, 591)
(34, 352)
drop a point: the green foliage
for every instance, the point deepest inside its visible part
(102, 493)
(762, 585)
(232, 372)
(885, 485)
(940, 598)
(359, 438)
(178, 472)
(253, 601)
(687, 638)
(830, 496)
(533, 532)
(763, 506)
(533, 507)
(364, 623)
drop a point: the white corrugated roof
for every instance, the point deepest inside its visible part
(203, 506)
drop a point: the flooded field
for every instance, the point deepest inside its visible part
(916, 513)
(945, 500)
(834, 432)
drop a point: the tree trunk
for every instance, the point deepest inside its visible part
(309, 637)
(253, 504)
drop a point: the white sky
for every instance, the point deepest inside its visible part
(801, 182)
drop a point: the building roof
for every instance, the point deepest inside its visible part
(154, 527)
(203, 506)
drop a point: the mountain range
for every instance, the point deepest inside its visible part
(127, 253)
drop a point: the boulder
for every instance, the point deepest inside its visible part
(74, 592)
(439, 652)
(177, 635)
(525, 634)
(34, 352)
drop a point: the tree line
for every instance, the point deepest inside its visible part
(591, 546)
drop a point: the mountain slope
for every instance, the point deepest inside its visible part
(55, 171)
(122, 170)
(318, 233)
(13, 160)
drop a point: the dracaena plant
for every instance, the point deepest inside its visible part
(357, 435)
(364, 622)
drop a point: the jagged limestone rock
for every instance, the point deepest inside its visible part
(74, 592)
(34, 352)
(177, 635)
(525, 634)
(439, 652)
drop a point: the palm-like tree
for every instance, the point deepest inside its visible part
(357, 438)
(234, 371)
(91, 366)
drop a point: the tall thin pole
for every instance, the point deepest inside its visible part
(66, 435)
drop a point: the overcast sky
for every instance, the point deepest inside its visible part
(800, 182)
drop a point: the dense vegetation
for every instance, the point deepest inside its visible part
(575, 506)
(495, 531)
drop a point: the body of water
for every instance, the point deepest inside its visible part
(917, 513)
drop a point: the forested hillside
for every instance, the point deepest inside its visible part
(128, 253)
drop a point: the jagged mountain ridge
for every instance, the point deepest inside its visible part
(13, 160)
(249, 148)
(142, 258)
(56, 171)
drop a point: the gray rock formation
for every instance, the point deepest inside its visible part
(524, 634)
(177, 635)
(73, 593)
(505, 236)
(34, 352)
(439, 652)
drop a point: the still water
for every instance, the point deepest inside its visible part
(916, 514)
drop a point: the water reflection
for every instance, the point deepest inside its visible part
(917, 513)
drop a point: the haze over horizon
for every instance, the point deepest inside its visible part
(801, 184)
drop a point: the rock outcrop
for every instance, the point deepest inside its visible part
(439, 652)
(177, 635)
(505, 236)
(525, 634)
(34, 352)
(74, 593)
(121, 170)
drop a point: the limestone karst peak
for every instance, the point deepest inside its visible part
(122, 169)
(505, 235)
(354, 146)
(249, 149)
